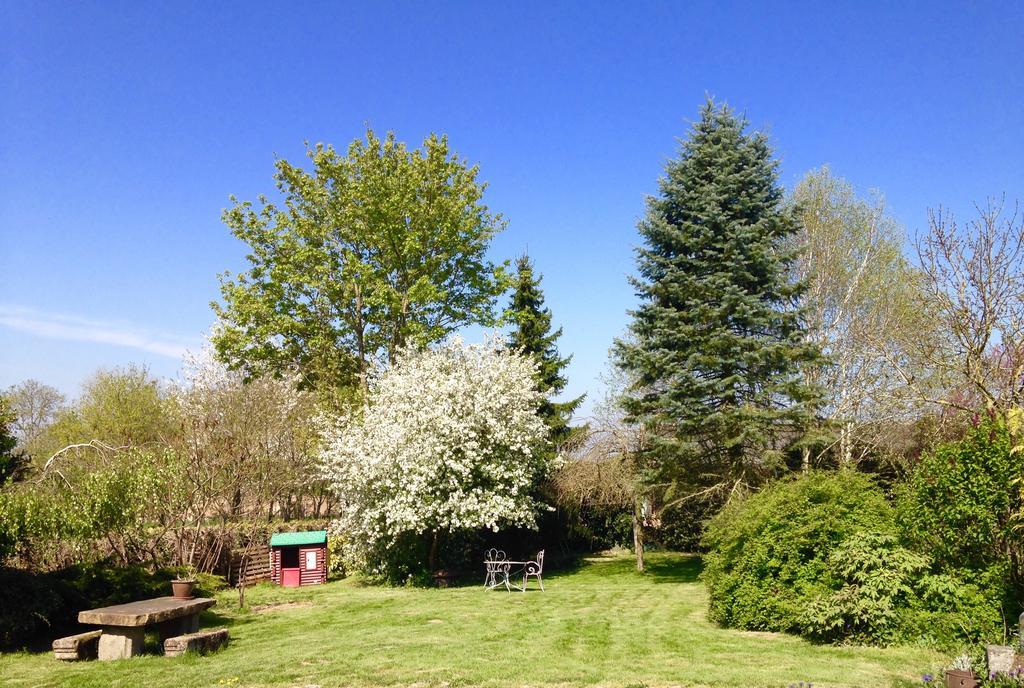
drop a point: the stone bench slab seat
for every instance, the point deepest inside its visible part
(75, 647)
(201, 642)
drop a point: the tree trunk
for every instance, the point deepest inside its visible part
(398, 333)
(805, 460)
(435, 546)
(244, 562)
(846, 445)
(638, 537)
(360, 328)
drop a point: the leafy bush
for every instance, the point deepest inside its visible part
(33, 607)
(878, 580)
(335, 555)
(14, 522)
(591, 527)
(960, 504)
(110, 503)
(887, 595)
(769, 552)
(682, 526)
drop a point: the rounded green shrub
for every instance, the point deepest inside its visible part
(825, 555)
(768, 553)
(35, 608)
(963, 504)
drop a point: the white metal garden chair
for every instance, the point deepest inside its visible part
(498, 568)
(535, 569)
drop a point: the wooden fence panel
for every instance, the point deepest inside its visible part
(256, 569)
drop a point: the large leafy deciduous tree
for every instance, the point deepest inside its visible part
(446, 443)
(370, 251)
(120, 407)
(532, 335)
(717, 345)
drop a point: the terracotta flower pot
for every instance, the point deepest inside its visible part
(958, 678)
(182, 589)
(444, 579)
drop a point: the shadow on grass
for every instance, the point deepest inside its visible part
(211, 619)
(683, 569)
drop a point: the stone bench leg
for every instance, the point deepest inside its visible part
(180, 626)
(121, 642)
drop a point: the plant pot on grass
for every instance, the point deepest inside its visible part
(444, 579)
(182, 588)
(961, 678)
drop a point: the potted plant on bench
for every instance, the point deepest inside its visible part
(184, 585)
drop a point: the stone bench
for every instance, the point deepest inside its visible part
(124, 625)
(202, 642)
(75, 647)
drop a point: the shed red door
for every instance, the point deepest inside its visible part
(291, 574)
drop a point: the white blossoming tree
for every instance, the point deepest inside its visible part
(447, 442)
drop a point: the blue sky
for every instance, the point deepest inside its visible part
(125, 126)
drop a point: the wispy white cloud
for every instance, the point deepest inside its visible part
(74, 328)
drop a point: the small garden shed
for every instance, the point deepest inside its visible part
(298, 558)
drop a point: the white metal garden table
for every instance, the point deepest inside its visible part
(498, 573)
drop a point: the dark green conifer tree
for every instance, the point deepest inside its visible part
(531, 333)
(12, 461)
(716, 345)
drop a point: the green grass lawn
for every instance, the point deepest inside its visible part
(601, 625)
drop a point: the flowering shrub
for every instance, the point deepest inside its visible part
(447, 442)
(335, 555)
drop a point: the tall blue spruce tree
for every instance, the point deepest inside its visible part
(716, 346)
